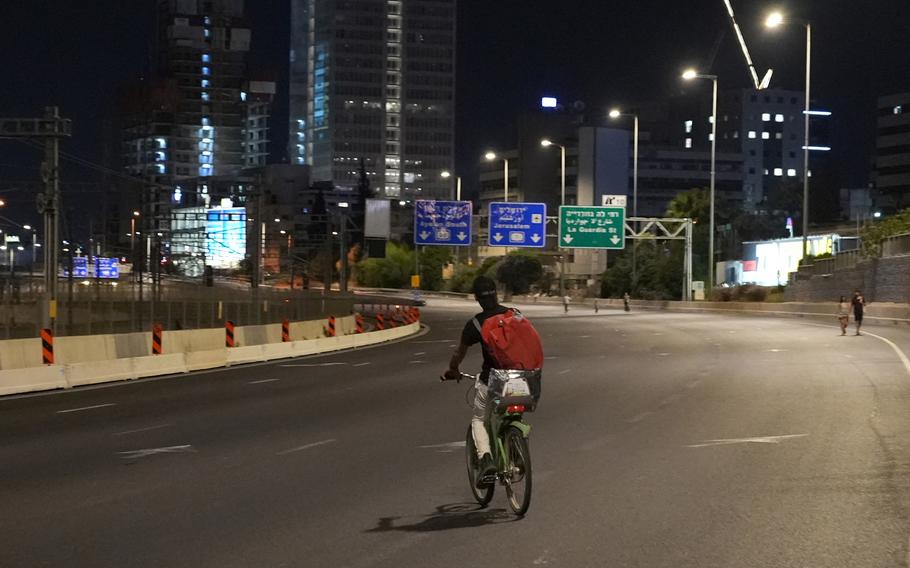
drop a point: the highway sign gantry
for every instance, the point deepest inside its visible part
(442, 223)
(518, 225)
(592, 227)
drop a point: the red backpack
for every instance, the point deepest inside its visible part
(512, 341)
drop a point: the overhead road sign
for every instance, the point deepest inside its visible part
(442, 223)
(592, 227)
(518, 225)
(107, 268)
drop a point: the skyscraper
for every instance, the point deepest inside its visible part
(373, 81)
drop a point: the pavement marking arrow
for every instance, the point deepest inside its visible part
(136, 454)
(497, 237)
(758, 440)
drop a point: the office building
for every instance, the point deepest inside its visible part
(892, 155)
(374, 81)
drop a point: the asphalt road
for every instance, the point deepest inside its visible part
(662, 440)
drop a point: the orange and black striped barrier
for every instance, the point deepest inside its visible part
(229, 334)
(47, 346)
(393, 319)
(330, 331)
(358, 321)
(156, 339)
(380, 322)
(285, 331)
(417, 314)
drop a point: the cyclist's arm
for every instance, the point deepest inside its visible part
(455, 362)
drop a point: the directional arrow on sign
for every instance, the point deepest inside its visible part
(535, 238)
(568, 239)
(615, 240)
(424, 235)
(461, 236)
(497, 237)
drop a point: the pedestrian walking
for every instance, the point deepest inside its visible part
(843, 314)
(625, 301)
(859, 304)
(596, 307)
(565, 303)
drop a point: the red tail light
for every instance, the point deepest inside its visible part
(515, 408)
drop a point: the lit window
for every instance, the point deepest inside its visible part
(243, 96)
(205, 121)
(161, 168)
(899, 109)
(778, 118)
(752, 134)
(162, 143)
(207, 20)
(159, 156)
(791, 172)
(205, 84)
(778, 172)
(206, 58)
(688, 142)
(736, 134)
(766, 116)
(207, 32)
(710, 120)
(205, 95)
(767, 171)
(688, 126)
(778, 135)
(206, 70)
(765, 135)
(710, 137)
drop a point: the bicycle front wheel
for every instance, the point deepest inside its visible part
(518, 471)
(483, 495)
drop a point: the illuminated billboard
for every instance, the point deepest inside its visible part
(225, 237)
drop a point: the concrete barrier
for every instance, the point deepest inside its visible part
(155, 365)
(78, 374)
(20, 353)
(209, 359)
(35, 379)
(248, 354)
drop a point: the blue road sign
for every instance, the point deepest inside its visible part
(443, 223)
(80, 267)
(518, 225)
(107, 267)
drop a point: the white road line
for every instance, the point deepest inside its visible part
(416, 362)
(448, 448)
(434, 341)
(758, 440)
(900, 354)
(361, 364)
(334, 364)
(306, 447)
(136, 454)
(262, 381)
(775, 350)
(563, 372)
(85, 408)
(641, 416)
(663, 354)
(136, 431)
(419, 353)
(551, 358)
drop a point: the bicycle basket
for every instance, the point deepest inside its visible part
(509, 386)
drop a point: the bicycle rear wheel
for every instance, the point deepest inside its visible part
(518, 471)
(485, 494)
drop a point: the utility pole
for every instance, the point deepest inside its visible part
(343, 258)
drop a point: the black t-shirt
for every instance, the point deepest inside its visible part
(470, 335)
(858, 304)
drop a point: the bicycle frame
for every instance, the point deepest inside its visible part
(496, 426)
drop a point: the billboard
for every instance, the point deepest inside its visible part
(225, 237)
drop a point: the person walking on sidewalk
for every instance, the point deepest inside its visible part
(859, 304)
(843, 314)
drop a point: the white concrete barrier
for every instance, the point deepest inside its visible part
(209, 359)
(34, 379)
(249, 354)
(78, 374)
(155, 365)
(20, 353)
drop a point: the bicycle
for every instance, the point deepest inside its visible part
(508, 447)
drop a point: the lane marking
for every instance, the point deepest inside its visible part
(136, 454)
(361, 364)
(640, 417)
(434, 341)
(262, 381)
(416, 362)
(584, 337)
(419, 353)
(551, 358)
(448, 448)
(776, 350)
(897, 350)
(663, 354)
(85, 408)
(136, 431)
(334, 364)
(564, 372)
(307, 447)
(758, 440)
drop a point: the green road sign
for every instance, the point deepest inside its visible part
(588, 226)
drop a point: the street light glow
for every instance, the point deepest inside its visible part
(546, 143)
(27, 227)
(690, 74)
(774, 20)
(877, 214)
(615, 113)
(135, 213)
(490, 156)
(445, 174)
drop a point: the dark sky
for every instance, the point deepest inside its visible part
(603, 52)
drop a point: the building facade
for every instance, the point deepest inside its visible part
(374, 81)
(892, 154)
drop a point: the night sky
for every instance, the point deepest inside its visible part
(75, 54)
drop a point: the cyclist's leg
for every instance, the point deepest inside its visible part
(479, 421)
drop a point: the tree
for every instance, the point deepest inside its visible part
(393, 271)
(432, 262)
(518, 271)
(874, 233)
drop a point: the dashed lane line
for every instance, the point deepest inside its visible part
(259, 382)
(307, 447)
(138, 430)
(86, 408)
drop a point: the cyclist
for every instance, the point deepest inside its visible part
(484, 289)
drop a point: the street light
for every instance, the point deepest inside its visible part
(615, 114)
(775, 20)
(446, 174)
(546, 143)
(490, 157)
(690, 75)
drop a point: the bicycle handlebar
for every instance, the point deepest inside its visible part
(459, 379)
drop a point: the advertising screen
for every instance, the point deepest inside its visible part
(225, 237)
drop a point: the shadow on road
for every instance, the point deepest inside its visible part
(448, 517)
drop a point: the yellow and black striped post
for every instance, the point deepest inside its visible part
(47, 346)
(380, 322)
(330, 331)
(229, 334)
(156, 339)
(285, 331)
(358, 321)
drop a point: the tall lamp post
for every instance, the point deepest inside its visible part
(490, 157)
(446, 174)
(615, 114)
(774, 20)
(546, 143)
(690, 75)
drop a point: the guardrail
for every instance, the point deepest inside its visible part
(896, 245)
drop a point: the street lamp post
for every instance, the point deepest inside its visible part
(688, 76)
(614, 114)
(491, 156)
(775, 20)
(446, 174)
(546, 143)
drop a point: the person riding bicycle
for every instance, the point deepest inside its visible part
(484, 289)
